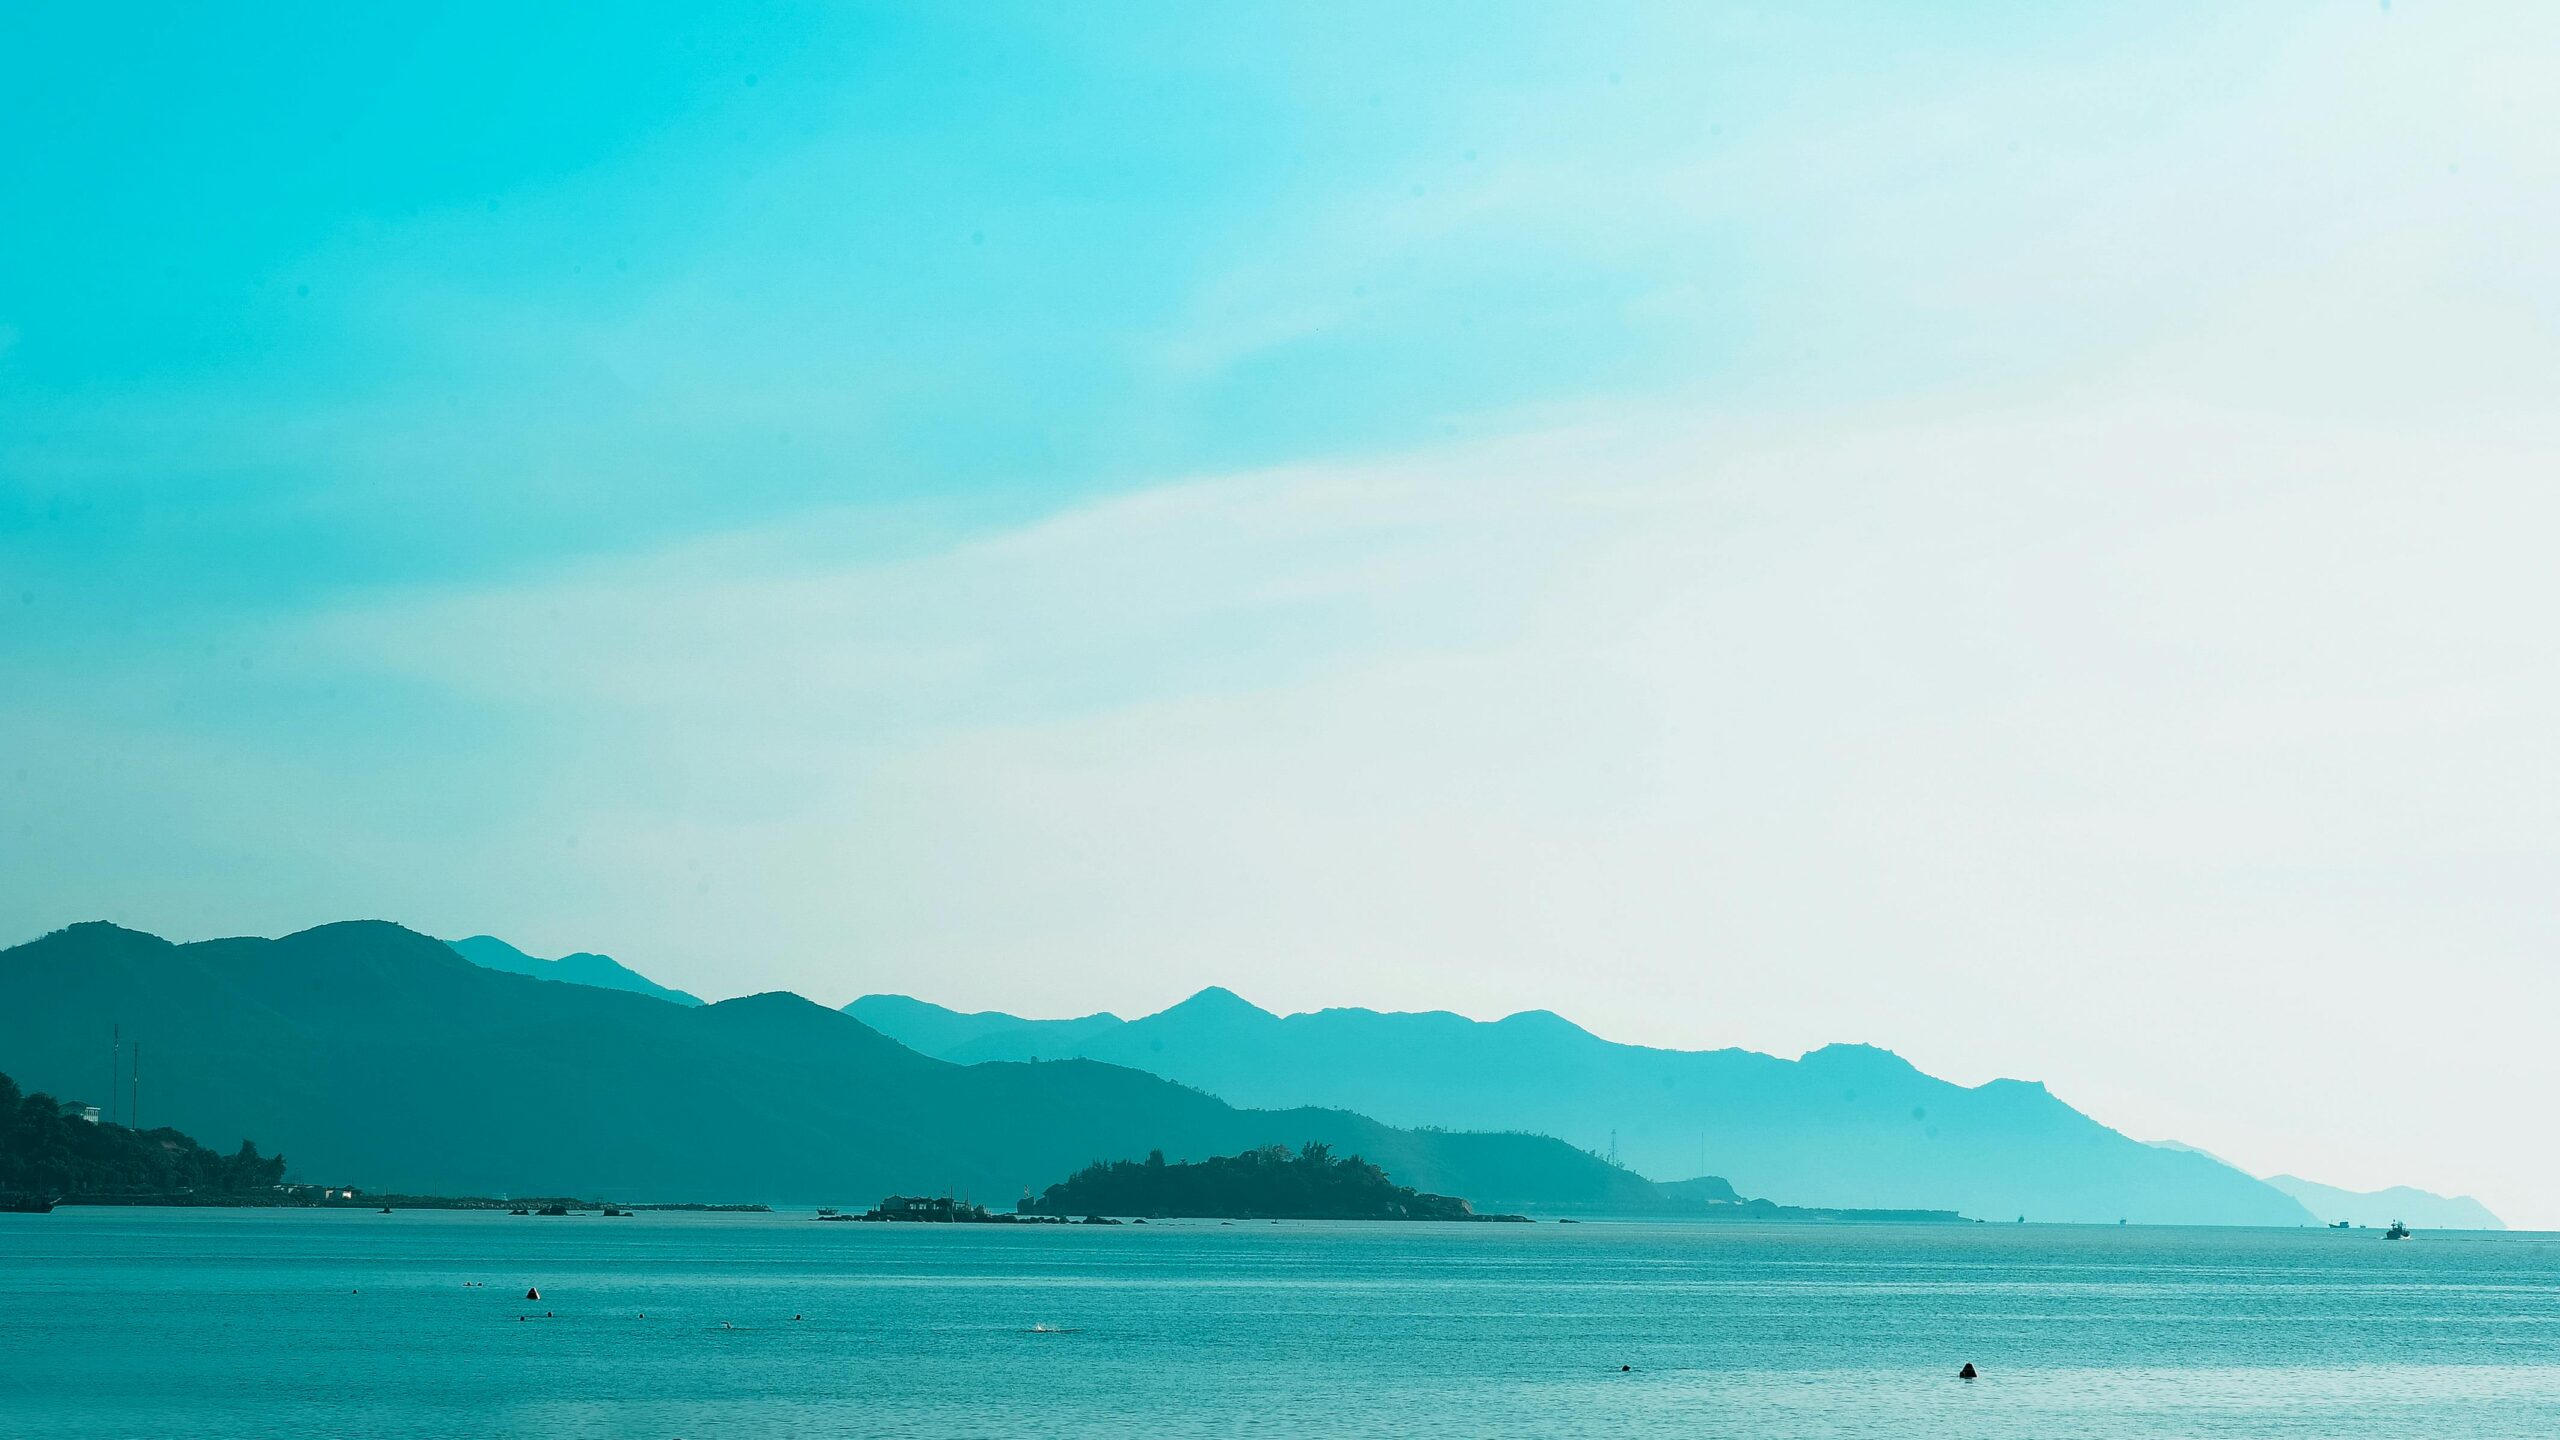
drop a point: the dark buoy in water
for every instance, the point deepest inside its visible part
(1967, 1373)
(532, 1294)
(1624, 1369)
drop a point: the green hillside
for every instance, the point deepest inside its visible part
(48, 1149)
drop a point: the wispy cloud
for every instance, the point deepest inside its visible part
(2026, 704)
(2010, 541)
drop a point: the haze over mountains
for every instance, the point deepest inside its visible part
(2377, 1208)
(384, 1058)
(379, 1057)
(1847, 1125)
(584, 968)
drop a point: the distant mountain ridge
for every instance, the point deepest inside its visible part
(2422, 1208)
(1846, 1125)
(935, 1031)
(380, 1057)
(584, 968)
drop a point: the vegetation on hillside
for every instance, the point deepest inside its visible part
(1271, 1182)
(47, 1148)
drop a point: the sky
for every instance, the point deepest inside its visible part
(2016, 533)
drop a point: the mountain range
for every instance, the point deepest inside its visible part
(392, 1060)
(584, 968)
(1846, 1125)
(2378, 1208)
(379, 1057)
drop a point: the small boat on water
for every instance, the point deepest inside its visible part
(2397, 1231)
(519, 1210)
(625, 1214)
(552, 1210)
(28, 1204)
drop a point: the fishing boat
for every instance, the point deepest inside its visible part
(2397, 1231)
(28, 1204)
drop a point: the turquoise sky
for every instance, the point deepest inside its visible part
(1740, 524)
(304, 300)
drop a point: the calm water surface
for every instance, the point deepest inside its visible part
(250, 1323)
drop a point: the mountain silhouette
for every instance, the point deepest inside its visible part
(602, 971)
(378, 1057)
(2377, 1208)
(934, 1030)
(1846, 1125)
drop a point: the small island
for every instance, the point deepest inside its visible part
(945, 1210)
(1271, 1183)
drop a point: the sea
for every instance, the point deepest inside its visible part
(172, 1323)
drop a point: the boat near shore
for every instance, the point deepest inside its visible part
(28, 1204)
